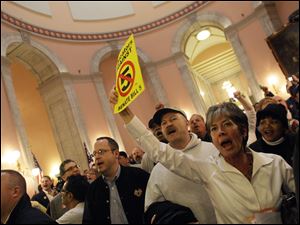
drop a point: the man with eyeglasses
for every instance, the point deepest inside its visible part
(117, 196)
(67, 168)
(73, 196)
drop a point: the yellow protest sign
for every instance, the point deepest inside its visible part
(129, 80)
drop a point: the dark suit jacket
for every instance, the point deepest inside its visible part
(42, 198)
(131, 185)
(24, 213)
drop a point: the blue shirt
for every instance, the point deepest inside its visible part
(117, 213)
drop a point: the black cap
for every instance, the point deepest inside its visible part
(122, 153)
(151, 123)
(160, 113)
(276, 111)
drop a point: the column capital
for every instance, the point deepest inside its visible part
(268, 16)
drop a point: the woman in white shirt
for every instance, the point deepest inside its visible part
(244, 186)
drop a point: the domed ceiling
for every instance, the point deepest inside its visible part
(93, 20)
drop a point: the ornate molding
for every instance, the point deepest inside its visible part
(26, 37)
(91, 37)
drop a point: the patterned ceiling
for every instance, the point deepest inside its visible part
(160, 14)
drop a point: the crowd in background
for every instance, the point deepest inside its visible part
(231, 166)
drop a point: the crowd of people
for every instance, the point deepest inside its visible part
(231, 165)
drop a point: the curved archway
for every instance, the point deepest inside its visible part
(58, 98)
(225, 24)
(211, 17)
(104, 52)
(8, 39)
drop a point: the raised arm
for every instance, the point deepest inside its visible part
(176, 161)
(126, 114)
(242, 99)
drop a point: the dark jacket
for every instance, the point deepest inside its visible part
(42, 198)
(131, 185)
(285, 149)
(167, 212)
(24, 213)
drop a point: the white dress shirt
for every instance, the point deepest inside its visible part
(73, 216)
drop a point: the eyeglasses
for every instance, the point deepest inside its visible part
(71, 168)
(63, 191)
(100, 152)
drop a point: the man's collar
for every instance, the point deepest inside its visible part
(116, 175)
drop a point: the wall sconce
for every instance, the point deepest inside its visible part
(12, 157)
(54, 171)
(35, 172)
(273, 81)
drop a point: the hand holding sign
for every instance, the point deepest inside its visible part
(126, 113)
(129, 80)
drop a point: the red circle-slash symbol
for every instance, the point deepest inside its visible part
(126, 78)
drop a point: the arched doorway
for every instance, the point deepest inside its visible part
(215, 68)
(29, 69)
(57, 101)
(193, 81)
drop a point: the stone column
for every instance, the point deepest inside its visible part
(108, 113)
(156, 88)
(72, 98)
(233, 38)
(65, 119)
(25, 150)
(186, 75)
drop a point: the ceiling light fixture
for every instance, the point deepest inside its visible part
(203, 35)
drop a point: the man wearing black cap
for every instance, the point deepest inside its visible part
(156, 130)
(273, 125)
(174, 125)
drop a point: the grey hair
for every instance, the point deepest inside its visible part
(233, 112)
